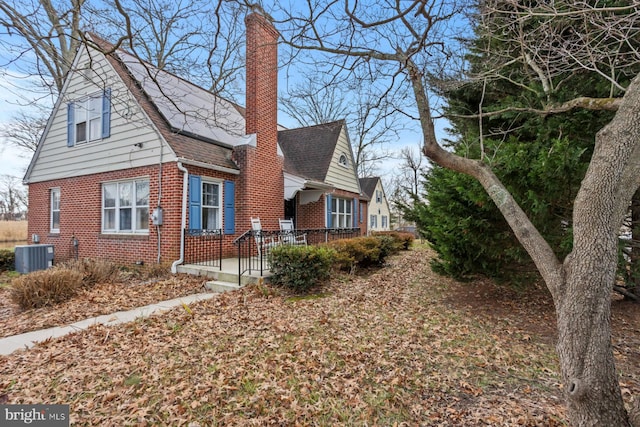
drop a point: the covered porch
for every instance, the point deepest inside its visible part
(204, 254)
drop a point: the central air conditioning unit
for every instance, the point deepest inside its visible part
(33, 257)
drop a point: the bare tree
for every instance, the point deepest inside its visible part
(403, 43)
(412, 168)
(25, 130)
(41, 37)
(201, 41)
(372, 122)
(13, 198)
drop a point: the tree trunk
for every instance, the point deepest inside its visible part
(583, 303)
(634, 247)
(584, 347)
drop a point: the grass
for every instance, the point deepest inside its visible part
(13, 231)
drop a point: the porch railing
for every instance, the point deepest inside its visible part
(252, 260)
(203, 247)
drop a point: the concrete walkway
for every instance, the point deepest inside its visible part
(27, 340)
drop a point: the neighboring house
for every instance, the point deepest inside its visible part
(133, 156)
(379, 212)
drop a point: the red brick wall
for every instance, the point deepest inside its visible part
(81, 216)
(228, 248)
(311, 215)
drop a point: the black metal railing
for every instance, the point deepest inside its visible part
(253, 246)
(203, 247)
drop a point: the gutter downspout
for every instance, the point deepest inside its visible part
(183, 224)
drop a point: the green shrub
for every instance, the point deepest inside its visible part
(403, 239)
(45, 287)
(93, 271)
(388, 245)
(7, 260)
(300, 267)
(358, 252)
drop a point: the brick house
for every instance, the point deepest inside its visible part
(132, 156)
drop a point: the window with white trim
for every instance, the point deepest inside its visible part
(378, 196)
(385, 221)
(210, 205)
(343, 160)
(373, 221)
(125, 206)
(88, 118)
(341, 213)
(55, 211)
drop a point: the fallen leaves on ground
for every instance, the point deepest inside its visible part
(104, 298)
(394, 348)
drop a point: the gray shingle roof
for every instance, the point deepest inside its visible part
(308, 151)
(368, 185)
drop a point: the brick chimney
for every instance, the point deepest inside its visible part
(261, 190)
(262, 81)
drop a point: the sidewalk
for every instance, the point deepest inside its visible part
(27, 340)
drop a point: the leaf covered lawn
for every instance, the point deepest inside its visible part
(390, 348)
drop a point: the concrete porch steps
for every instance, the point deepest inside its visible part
(218, 286)
(223, 279)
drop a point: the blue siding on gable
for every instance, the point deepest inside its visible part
(229, 207)
(195, 202)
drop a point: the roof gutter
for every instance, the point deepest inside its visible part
(182, 160)
(183, 223)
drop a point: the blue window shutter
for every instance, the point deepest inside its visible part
(361, 212)
(354, 219)
(70, 125)
(229, 207)
(328, 199)
(195, 202)
(106, 113)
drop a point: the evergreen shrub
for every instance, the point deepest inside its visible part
(359, 252)
(301, 267)
(7, 260)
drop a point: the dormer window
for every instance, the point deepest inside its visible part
(343, 160)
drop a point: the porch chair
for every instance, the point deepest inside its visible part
(288, 235)
(263, 243)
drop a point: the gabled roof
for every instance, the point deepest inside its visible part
(183, 112)
(308, 151)
(368, 185)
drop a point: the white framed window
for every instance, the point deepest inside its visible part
(385, 221)
(55, 211)
(341, 213)
(343, 160)
(88, 118)
(211, 205)
(373, 221)
(378, 196)
(125, 206)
